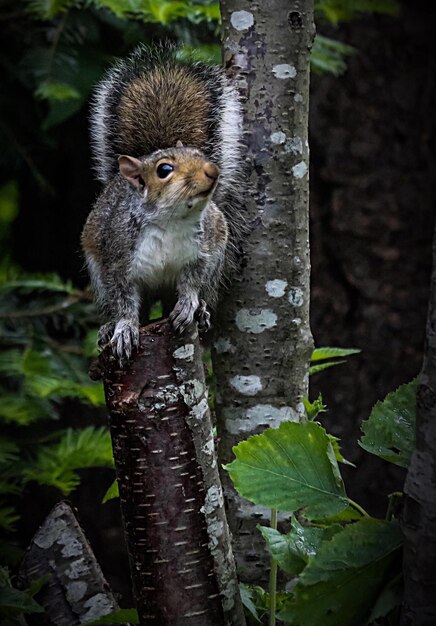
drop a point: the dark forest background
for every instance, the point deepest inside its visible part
(372, 211)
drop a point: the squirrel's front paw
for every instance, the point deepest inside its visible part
(105, 334)
(202, 316)
(125, 339)
(183, 313)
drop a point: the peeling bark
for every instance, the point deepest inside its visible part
(76, 590)
(170, 493)
(263, 341)
(419, 515)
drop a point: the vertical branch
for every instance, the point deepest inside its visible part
(171, 499)
(263, 341)
(419, 515)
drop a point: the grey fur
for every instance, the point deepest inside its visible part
(121, 219)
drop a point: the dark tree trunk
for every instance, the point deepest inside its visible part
(76, 590)
(419, 515)
(263, 341)
(373, 201)
(171, 498)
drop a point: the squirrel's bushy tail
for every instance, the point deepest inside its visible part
(151, 100)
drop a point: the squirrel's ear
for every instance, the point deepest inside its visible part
(179, 144)
(132, 170)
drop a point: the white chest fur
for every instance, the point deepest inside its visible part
(163, 252)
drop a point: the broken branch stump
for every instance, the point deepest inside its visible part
(76, 590)
(171, 499)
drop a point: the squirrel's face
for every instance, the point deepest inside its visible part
(178, 180)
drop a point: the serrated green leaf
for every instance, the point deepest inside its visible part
(320, 354)
(390, 430)
(282, 549)
(116, 617)
(290, 468)
(337, 450)
(342, 581)
(293, 550)
(314, 408)
(111, 493)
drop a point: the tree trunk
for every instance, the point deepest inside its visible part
(171, 499)
(76, 590)
(419, 515)
(263, 341)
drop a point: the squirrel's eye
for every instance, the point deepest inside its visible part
(164, 169)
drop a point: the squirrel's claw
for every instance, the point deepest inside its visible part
(202, 316)
(104, 335)
(183, 313)
(124, 340)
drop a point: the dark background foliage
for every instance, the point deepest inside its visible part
(372, 207)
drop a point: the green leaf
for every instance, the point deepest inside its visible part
(247, 601)
(293, 550)
(48, 9)
(289, 468)
(37, 282)
(111, 493)
(9, 451)
(116, 617)
(336, 11)
(350, 514)
(329, 57)
(53, 387)
(8, 517)
(314, 408)
(23, 410)
(56, 91)
(390, 430)
(57, 464)
(314, 369)
(342, 581)
(320, 354)
(90, 343)
(15, 602)
(337, 450)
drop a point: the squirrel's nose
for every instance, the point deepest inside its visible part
(212, 171)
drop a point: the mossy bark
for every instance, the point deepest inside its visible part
(263, 341)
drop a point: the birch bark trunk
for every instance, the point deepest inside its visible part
(171, 499)
(419, 515)
(263, 340)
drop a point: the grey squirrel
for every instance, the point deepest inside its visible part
(166, 139)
